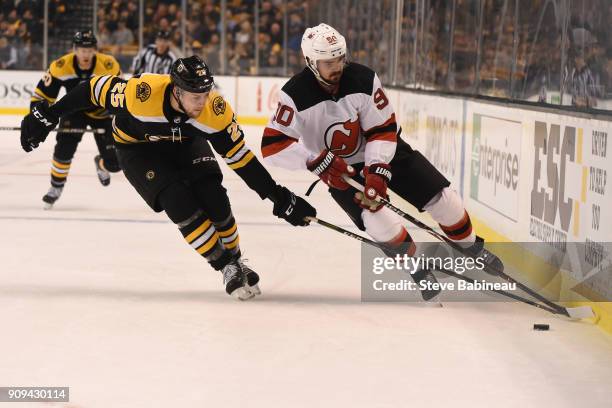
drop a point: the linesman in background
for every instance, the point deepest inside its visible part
(155, 58)
(69, 71)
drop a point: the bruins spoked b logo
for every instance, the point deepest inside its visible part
(218, 105)
(143, 91)
(150, 175)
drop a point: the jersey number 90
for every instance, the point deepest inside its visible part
(284, 115)
(380, 99)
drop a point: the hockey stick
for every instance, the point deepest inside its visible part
(445, 271)
(59, 130)
(345, 232)
(581, 312)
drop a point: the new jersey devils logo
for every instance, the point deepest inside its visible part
(342, 138)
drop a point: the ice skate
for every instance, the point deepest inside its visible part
(428, 294)
(52, 196)
(493, 265)
(103, 174)
(251, 276)
(235, 281)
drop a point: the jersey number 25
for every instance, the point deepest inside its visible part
(117, 97)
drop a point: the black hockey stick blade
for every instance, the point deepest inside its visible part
(580, 312)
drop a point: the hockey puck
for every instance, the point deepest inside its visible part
(542, 327)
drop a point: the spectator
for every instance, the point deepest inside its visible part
(276, 34)
(211, 52)
(132, 20)
(211, 12)
(35, 26)
(123, 35)
(104, 36)
(245, 33)
(8, 54)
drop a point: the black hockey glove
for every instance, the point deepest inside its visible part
(290, 207)
(36, 126)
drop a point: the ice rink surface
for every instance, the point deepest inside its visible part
(104, 296)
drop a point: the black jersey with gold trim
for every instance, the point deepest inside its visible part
(143, 114)
(65, 72)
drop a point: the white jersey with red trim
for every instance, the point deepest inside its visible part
(357, 123)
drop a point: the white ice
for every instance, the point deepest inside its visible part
(103, 295)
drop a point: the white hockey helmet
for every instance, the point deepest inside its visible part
(322, 42)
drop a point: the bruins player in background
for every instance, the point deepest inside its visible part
(162, 128)
(69, 71)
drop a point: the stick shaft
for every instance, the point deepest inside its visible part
(59, 130)
(345, 232)
(445, 271)
(558, 308)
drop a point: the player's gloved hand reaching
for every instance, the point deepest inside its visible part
(290, 207)
(377, 176)
(330, 168)
(36, 126)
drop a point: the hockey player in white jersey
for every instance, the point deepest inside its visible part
(334, 118)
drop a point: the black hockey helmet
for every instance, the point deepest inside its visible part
(162, 34)
(191, 74)
(85, 39)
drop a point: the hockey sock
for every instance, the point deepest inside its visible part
(59, 172)
(200, 233)
(461, 231)
(101, 164)
(402, 243)
(228, 232)
(447, 209)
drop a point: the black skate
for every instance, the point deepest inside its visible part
(425, 275)
(103, 174)
(52, 196)
(493, 265)
(235, 281)
(252, 278)
(428, 295)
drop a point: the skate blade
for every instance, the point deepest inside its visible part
(242, 294)
(47, 206)
(254, 289)
(434, 304)
(435, 301)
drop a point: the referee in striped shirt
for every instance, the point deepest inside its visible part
(155, 58)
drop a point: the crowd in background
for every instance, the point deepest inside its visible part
(523, 53)
(21, 33)
(117, 28)
(516, 50)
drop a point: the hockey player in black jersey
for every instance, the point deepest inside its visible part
(69, 71)
(335, 119)
(162, 129)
